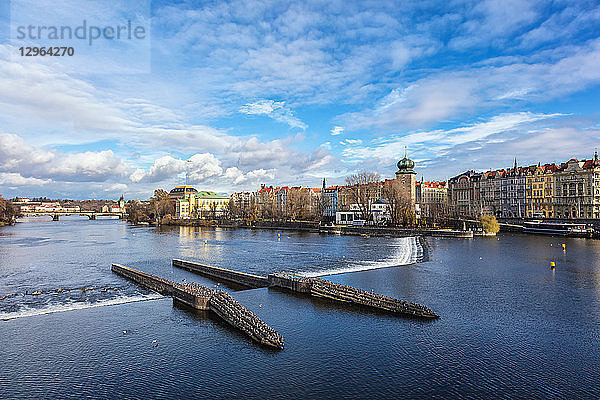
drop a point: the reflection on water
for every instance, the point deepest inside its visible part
(510, 326)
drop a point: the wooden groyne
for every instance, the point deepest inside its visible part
(193, 294)
(226, 307)
(335, 291)
(240, 278)
(314, 287)
(203, 298)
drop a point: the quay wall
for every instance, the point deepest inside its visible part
(393, 232)
(151, 282)
(242, 278)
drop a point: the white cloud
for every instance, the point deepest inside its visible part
(447, 96)
(275, 110)
(346, 142)
(35, 90)
(493, 23)
(87, 166)
(117, 187)
(16, 156)
(202, 167)
(337, 130)
(440, 142)
(15, 179)
(236, 176)
(198, 168)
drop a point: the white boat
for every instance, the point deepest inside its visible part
(558, 228)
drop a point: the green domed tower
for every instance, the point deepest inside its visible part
(405, 166)
(405, 176)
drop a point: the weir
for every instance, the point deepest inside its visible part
(240, 278)
(203, 298)
(151, 282)
(314, 287)
(335, 291)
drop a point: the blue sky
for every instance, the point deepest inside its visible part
(228, 95)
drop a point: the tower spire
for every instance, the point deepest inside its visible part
(515, 164)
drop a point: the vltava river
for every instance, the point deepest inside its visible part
(509, 327)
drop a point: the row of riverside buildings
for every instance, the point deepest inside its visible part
(327, 203)
(26, 205)
(569, 190)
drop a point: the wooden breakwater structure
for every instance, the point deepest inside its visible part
(223, 274)
(335, 291)
(203, 298)
(311, 286)
(193, 294)
(151, 282)
(226, 307)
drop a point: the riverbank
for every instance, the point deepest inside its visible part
(306, 226)
(504, 313)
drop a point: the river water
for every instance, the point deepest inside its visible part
(509, 327)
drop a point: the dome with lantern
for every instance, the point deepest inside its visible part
(406, 165)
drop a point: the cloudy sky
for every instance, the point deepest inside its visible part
(228, 95)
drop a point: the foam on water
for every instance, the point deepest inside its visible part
(30, 312)
(410, 251)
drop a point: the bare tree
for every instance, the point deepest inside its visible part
(136, 212)
(362, 191)
(212, 207)
(235, 209)
(161, 204)
(298, 203)
(399, 203)
(321, 206)
(438, 213)
(8, 211)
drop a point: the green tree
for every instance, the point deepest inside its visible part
(490, 224)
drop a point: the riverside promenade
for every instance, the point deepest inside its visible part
(203, 298)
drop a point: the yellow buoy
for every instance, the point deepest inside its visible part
(564, 246)
(552, 264)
